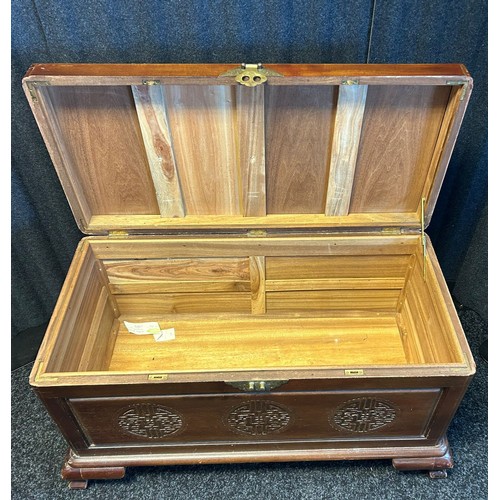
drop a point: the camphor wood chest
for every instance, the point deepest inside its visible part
(274, 217)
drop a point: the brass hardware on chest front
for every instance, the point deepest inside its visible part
(257, 385)
(250, 75)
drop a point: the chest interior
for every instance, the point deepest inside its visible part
(255, 303)
(342, 174)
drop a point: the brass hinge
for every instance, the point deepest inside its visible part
(151, 82)
(464, 85)
(32, 89)
(250, 75)
(423, 236)
(117, 234)
(257, 233)
(350, 81)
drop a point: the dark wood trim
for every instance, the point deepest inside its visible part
(213, 70)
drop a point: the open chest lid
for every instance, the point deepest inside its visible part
(159, 148)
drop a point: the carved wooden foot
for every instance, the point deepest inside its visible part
(436, 466)
(78, 476)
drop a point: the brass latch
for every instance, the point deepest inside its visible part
(257, 385)
(250, 75)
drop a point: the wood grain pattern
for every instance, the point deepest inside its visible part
(262, 343)
(78, 319)
(99, 129)
(167, 303)
(124, 271)
(344, 155)
(433, 301)
(61, 157)
(150, 106)
(276, 246)
(443, 149)
(400, 130)
(180, 286)
(213, 70)
(299, 122)
(156, 224)
(101, 336)
(258, 284)
(337, 266)
(252, 153)
(335, 284)
(321, 300)
(201, 122)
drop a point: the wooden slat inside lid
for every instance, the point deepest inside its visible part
(286, 154)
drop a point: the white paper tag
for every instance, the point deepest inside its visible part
(164, 335)
(142, 328)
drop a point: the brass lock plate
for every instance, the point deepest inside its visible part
(257, 385)
(250, 75)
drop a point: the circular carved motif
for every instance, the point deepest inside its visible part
(259, 418)
(363, 415)
(150, 420)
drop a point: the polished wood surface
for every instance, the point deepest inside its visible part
(331, 304)
(253, 344)
(196, 152)
(250, 115)
(345, 142)
(201, 120)
(299, 127)
(400, 129)
(98, 126)
(152, 115)
(213, 70)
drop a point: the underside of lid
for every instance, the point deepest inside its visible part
(152, 149)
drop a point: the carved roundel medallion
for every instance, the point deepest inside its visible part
(363, 415)
(259, 418)
(150, 421)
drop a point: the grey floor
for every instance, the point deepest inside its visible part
(38, 451)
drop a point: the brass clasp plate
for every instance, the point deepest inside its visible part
(250, 75)
(257, 385)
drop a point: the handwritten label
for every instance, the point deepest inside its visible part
(142, 328)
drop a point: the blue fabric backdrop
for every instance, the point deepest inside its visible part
(44, 234)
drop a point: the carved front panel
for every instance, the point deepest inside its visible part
(259, 418)
(150, 421)
(363, 415)
(167, 421)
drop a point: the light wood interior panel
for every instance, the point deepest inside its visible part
(201, 122)
(332, 300)
(99, 129)
(299, 125)
(168, 303)
(345, 142)
(400, 128)
(262, 343)
(250, 116)
(337, 266)
(152, 115)
(87, 306)
(101, 337)
(257, 311)
(202, 269)
(432, 334)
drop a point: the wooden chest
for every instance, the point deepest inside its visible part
(271, 222)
